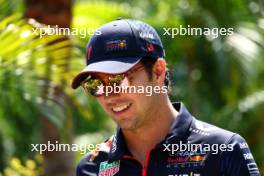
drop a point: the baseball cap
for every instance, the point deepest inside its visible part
(119, 45)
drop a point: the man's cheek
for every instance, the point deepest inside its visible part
(103, 104)
(139, 102)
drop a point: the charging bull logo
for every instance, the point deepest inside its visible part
(116, 45)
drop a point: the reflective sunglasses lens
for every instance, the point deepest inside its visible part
(116, 80)
(99, 91)
(93, 87)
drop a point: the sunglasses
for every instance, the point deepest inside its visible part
(96, 87)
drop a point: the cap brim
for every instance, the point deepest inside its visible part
(116, 66)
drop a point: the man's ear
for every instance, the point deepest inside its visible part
(159, 70)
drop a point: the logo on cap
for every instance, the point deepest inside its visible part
(146, 35)
(150, 47)
(116, 45)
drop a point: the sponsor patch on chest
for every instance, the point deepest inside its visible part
(109, 169)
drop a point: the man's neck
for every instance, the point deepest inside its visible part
(141, 140)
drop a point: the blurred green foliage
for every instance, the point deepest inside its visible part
(30, 168)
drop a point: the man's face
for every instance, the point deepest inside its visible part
(131, 110)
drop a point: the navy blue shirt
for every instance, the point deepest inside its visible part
(191, 148)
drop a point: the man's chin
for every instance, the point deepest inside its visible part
(127, 126)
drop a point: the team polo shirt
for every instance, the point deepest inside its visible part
(191, 148)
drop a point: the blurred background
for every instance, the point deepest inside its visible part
(220, 80)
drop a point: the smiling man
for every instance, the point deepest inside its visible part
(154, 137)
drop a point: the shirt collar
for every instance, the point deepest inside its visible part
(179, 131)
(119, 147)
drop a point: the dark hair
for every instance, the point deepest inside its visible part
(148, 64)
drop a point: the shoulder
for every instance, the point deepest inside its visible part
(235, 155)
(205, 133)
(202, 132)
(90, 162)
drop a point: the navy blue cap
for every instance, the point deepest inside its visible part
(119, 45)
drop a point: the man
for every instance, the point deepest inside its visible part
(154, 136)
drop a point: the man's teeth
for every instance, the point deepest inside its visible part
(121, 108)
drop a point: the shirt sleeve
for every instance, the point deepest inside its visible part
(78, 172)
(239, 161)
(85, 167)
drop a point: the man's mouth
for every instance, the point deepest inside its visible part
(119, 108)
